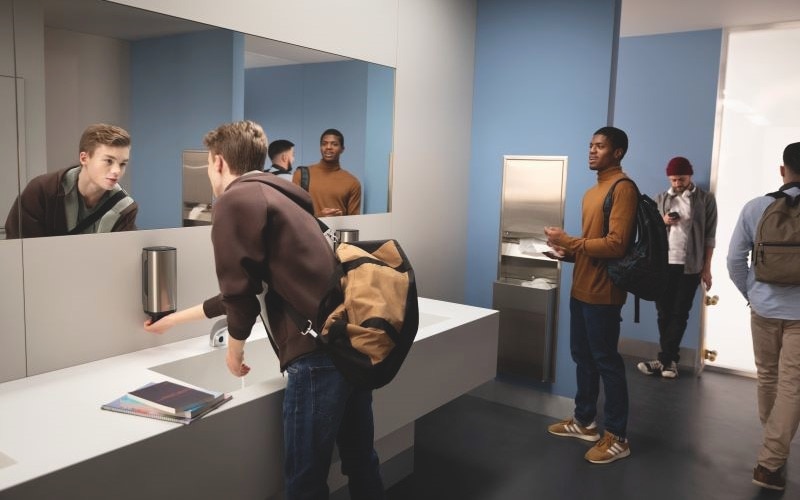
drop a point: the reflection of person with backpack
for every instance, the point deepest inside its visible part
(690, 214)
(281, 154)
(334, 190)
(596, 303)
(264, 231)
(773, 295)
(82, 199)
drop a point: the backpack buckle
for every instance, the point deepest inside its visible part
(309, 330)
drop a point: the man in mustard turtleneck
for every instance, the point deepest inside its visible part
(595, 302)
(334, 190)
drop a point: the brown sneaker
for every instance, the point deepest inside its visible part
(609, 448)
(766, 478)
(571, 428)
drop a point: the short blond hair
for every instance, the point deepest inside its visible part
(243, 144)
(103, 134)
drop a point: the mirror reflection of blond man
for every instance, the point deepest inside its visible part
(84, 198)
(334, 190)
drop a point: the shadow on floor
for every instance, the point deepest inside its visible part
(691, 438)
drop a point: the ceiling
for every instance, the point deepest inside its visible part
(111, 20)
(639, 17)
(650, 17)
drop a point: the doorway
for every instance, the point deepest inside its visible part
(759, 115)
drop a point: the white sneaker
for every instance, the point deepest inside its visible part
(670, 371)
(650, 367)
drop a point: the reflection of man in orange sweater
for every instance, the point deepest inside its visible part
(333, 190)
(595, 302)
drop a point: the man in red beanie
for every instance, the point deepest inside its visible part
(690, 215)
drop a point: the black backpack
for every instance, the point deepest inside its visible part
(305, 178)
(643, 271)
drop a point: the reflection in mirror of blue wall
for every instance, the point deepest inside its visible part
(299, 102)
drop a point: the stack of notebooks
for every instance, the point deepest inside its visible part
(168, 401)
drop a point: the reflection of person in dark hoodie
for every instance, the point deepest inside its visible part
(263, 230)
(85, 198)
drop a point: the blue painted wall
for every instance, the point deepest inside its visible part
(666, 102)
(273, 97)
(542, 85)
(299, 102)
(380, 119)
(181, 87)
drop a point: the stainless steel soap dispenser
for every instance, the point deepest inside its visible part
(345, 236)
(159, 281)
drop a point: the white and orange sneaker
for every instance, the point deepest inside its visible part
(608, 449)
(571, 428)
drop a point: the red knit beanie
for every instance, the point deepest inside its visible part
(679, 166)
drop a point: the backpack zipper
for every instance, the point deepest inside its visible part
(763, 244)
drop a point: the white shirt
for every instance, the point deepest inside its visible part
(679, 233)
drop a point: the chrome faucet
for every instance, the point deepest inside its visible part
(218, 336)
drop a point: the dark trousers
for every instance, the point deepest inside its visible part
(673, 312)
(593, 337)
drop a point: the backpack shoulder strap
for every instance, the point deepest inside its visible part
(101, 211)
(609, 200)
(777, 194)
(305, 179)
(781, 193)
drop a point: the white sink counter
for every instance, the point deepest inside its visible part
(52, 421)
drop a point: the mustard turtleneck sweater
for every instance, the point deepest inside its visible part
(330, 186)
(590, 282)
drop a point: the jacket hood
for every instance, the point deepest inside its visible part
(288, 189)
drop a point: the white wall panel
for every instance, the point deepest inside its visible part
(83, 297)
(12, 327)
(433, 117)
(363, 29)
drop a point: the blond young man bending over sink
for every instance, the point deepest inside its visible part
(263, 231)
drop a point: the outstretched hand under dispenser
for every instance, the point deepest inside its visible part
(159, 281)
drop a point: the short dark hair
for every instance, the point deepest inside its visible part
(279, 146)
(617, 137)
(333, 131)
(791, 157)
(103, 134)
(243, 144)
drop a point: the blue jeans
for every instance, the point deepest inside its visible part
(593, 337)
(321, 408)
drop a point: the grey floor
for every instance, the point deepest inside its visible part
(691, 438)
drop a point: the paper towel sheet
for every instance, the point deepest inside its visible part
(533, 246)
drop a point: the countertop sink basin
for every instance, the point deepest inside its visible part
(209, 371)
(426, 319)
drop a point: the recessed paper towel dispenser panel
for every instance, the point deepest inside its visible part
(526, 290)
(159, 281)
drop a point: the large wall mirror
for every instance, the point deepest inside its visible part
(168, 81)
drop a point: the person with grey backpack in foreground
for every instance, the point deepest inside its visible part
(764, 264)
